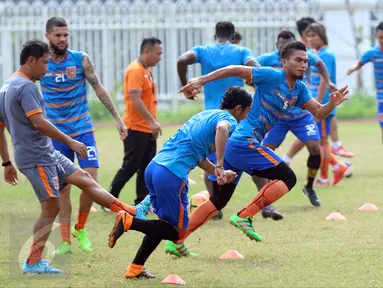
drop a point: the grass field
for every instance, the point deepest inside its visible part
(303, 250)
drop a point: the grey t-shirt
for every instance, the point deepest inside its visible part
(19, 100)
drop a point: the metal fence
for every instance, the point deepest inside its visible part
(111, 31)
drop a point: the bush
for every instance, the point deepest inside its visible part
(360, 105)
(185, 112)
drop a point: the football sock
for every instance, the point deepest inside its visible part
(35, 253)
(198, 217)
(148, 245)
(325, 157)
(133, 270)
(155, 228)
(65, 232)
(118, 205)
(81, 220)
(270, 193)
(313, 164)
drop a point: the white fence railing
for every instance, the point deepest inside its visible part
(111, 32)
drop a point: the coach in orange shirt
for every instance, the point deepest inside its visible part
(140, 118)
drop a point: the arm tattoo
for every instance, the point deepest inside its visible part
(101, 92)
(89, 72)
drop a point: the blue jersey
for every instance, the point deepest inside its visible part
(328, 58)
(65, 95)
(271, 100)
(375, 55)
(214, 57)
(273, 59)
(193, 142)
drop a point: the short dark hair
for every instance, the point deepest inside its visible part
(379, 27)
(236, 95)
(237, 36)
(285, 34)
(303, 23)
(224, 29)
(33, 48)
(288, 48)
(149, 42)
(55, 22)
(319, 30)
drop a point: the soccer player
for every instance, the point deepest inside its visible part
(317, 38)
(301, 123)
(212, 57)
(302, 25)
(140, 93)
(277, 90)
(375, 55)
(237, 38)
(65, 95)
(22, 113)
(167, 175)
(337, 147)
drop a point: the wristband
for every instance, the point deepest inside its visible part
(6, 163)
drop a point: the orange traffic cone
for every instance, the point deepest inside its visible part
(335, 216)
(368, 207)
(232, 254)
(173, 279)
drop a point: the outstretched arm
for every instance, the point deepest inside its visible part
(320, 111)
(186, 59)
(102, 94)
(194, 85)
(354, 68)
(324, 75)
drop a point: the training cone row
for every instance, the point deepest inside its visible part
(335, 216)
(177, 280)
(368, 207)
(364, 207)
(173, 279)
(232, 254)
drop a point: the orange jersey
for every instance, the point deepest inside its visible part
(138, 78)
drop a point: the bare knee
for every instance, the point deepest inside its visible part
(313, 147)
(50, 208)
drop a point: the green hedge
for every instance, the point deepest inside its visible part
(359, 105)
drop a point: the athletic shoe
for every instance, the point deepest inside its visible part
(341, 151)
(339, 174)
(271, 212)
(41, 267)
(82, 236)
(310, 193)
(122, 224)
(218, 216)
(142, 208)
(246, 226)
(179, 250)
(64, 248)
(143, 274)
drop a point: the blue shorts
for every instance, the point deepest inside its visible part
(380, 112)
(247, 157)
(91, 160)
(168, 195)
(324, 126)
(304, 128)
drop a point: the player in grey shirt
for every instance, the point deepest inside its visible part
(22, 113)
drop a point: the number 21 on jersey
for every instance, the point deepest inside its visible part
(60, 77)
